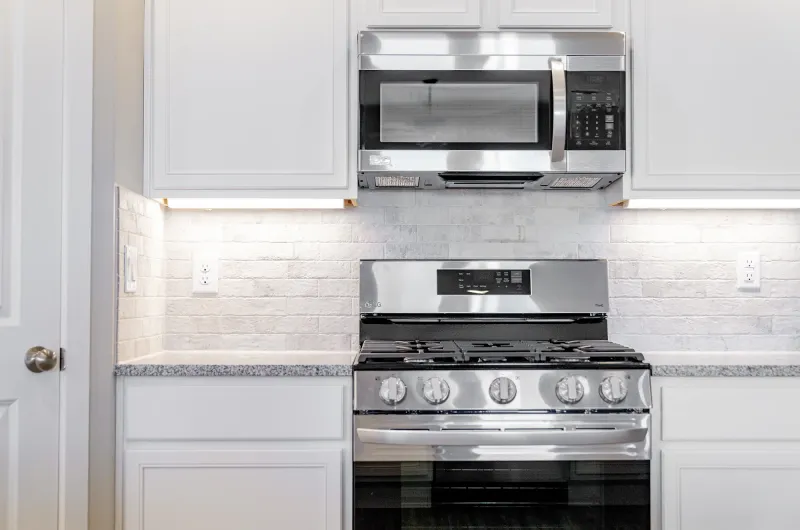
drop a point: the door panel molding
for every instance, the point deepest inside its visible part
(554, 13)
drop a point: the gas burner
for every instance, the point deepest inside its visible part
(483, 352)
(590, 346)
(408, 346)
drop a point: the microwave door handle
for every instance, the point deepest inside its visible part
(559, 109)
(577, 437)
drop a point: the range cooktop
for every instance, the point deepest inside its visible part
(474, 354)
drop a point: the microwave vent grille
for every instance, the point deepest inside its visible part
(575, 182)
(396, 181)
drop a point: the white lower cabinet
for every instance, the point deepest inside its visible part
(229, 488)
(234, 452)
(730, 489)
(726, 453)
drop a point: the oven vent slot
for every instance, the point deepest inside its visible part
(575, 183)
(396, 181)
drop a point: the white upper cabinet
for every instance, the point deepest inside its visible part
(421, 13)
(247, 98)
(713, 84)
(553, 13)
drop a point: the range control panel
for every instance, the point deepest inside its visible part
(484, 281)
(595, 109)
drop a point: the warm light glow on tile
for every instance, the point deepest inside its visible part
(718, 204)
(255, 204)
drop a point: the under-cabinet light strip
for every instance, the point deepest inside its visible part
(254, 204)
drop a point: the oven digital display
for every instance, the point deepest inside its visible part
(483, 282)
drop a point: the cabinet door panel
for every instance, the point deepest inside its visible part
(730, 490)
(422, 13)
(554, 13)
(246, 490)
(710, 108)
(246, 94)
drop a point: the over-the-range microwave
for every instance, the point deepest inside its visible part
(518, 110)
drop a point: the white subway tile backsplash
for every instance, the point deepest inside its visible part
(417, 216)
(329, 325)
(482, 216)
(140, 320)
(319, 306)
(384, 233)
(340, 288)
(254, 269)
(416, 251)
(319, 269)
(289, 279)
(332, 251)
(654, 234)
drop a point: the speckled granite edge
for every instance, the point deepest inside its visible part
(233, 370)
(728, 370)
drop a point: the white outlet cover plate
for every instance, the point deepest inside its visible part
(748, 265)
(205, 273)
(130, 269)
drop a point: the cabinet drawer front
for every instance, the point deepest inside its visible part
(281, 410)
(732, 410)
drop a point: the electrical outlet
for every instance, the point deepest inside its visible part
(748, 271)
(205, 273)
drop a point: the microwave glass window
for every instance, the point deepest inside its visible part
(419, 112)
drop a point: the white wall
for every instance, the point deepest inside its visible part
(289, 278)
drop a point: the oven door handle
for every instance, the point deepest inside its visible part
(575, 437)
(558, 73)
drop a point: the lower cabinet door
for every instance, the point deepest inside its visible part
(730, 489)
(229, 489)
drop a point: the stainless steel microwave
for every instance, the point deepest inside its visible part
(519, 110)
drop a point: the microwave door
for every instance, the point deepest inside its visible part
(430, 122)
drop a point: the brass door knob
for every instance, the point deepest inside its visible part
(39, 359)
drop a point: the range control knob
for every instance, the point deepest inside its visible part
(393, 390)
(435, 391)
(569, 390)
(503, 390)
(613, 390)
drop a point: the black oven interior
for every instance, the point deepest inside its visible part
(580, 495)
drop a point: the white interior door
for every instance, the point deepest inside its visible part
(31, 60)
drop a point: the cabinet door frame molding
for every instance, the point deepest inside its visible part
(138, 462)
(438, 14)
(600, 15)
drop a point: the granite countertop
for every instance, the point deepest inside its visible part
(243, 364)
(331, 364)
(724, 364)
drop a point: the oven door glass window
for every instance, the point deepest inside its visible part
(582, 495)
(455, 110)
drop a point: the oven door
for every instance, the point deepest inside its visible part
(500, 471)
(502, 118)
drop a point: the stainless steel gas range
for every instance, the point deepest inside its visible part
(487, 395)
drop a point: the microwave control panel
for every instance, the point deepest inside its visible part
(595, 111)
